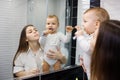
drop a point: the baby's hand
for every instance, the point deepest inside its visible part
(78, 28)
(79, 31)
(46, 32)
(69, 28)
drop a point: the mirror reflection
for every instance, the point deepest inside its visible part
(15, 14)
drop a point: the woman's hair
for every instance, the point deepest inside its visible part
(105, 61)
(101, 13)
(53, 16)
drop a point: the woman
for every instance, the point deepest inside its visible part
(29, 56)
(105, 61)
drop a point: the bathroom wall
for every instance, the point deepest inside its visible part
(112, 6)
(36, 13)
(13, 17)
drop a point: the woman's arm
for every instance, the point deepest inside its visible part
(62, 58)
(57, 55)
(19, 68)
(20, 74)
(27, 73)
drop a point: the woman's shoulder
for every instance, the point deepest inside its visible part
(22, 54)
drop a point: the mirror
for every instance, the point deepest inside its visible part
(13, 16)
(38, 10)
(17, 13)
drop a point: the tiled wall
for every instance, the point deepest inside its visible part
(94, 3)
(112, 6)
(74, 23)
(71, 19)
(13, 17)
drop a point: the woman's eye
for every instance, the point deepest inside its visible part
(30, 31)
(36, 30)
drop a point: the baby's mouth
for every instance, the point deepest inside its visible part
(51, 29)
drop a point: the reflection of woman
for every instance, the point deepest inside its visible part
(28, 58)
(29, 53)
(105, 61)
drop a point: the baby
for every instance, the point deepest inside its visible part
(51, 40)
(86, 38)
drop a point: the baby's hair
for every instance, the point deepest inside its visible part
(101, 13)
(53, 16)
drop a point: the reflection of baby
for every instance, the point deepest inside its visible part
(51, 39)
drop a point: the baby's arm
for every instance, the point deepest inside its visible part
(42, 40)
(65, 38)
(81, 39)
(83, 43)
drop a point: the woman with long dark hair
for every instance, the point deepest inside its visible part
(105, 61)
(28, 59)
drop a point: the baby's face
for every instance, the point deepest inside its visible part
(52, 25)
(89, 22)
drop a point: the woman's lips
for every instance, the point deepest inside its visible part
(36, 35)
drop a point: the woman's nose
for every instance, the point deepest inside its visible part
(34, 31)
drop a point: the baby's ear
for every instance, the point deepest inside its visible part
(97, 24)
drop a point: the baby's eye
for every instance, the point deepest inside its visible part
(48, 23)
(85, 21)
(53, 23)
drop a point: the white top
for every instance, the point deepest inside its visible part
(27, 61)
(84, 46)
(51, 41)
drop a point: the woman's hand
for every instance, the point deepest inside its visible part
(34, 71)
(57, 55)
(30, 72)
(54, 54)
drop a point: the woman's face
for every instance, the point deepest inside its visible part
(32, 34)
